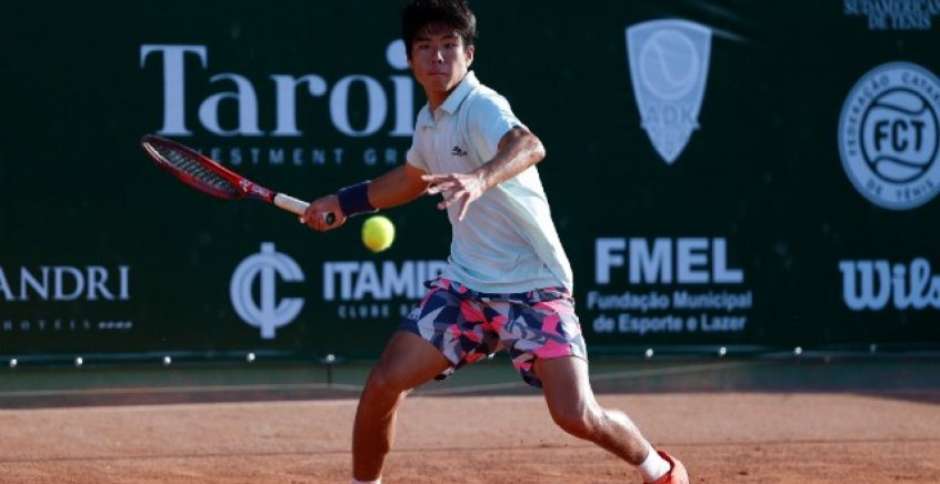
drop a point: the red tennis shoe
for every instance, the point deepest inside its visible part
(677, 473)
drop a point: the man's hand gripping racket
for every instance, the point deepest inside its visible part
(210, 177)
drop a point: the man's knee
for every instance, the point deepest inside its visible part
(385, 382)
(578, 420)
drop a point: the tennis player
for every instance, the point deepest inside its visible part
(508, 281)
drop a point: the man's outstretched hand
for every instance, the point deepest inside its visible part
(462, 188)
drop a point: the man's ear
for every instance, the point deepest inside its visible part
(470, 51)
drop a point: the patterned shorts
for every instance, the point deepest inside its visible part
(466, 325)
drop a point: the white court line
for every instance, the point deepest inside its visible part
(629, 374)
(620, 375)
(187, 389)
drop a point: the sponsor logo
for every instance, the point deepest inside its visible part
(873, 285)
(61, 287)
(235, 110)
(669, 67)
(262, 269)
(458, 151)
(681, 285)
(895, 14)
(367, 289)
(889, 136)
(64, 324)
(66, 283)
(351, 289)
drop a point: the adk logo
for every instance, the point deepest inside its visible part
(889, 133)
(267, 313)
(669, 66)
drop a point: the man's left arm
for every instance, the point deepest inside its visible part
(517, 150)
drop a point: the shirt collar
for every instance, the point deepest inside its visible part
(460, 93)
(453, 101)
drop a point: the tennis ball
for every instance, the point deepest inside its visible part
(378, 233)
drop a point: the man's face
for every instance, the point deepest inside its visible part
(439, 59)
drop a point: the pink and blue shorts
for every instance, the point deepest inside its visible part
(466, 325)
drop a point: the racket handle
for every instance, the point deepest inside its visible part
(290, 204)
(298, 207)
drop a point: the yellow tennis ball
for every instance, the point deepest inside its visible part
(378, 233)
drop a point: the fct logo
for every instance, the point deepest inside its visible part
(889, 136)
(268, 313)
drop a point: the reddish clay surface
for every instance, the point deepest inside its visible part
(722, 438)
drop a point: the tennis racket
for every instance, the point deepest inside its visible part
(208, 176)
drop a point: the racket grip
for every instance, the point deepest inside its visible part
(290, 204)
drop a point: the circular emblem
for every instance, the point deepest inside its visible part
(669, 64)
(889, 135)
(265, 312)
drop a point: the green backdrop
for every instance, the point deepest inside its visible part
(754, 233)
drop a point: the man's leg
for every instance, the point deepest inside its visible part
(408, 361)
(573, 407)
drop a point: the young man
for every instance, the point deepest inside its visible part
(508, 281)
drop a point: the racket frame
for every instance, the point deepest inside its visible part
(245, 188)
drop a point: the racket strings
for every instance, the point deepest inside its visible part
(193, 168)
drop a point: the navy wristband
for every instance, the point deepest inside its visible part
(354, 199)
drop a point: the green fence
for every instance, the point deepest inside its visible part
(740, 173)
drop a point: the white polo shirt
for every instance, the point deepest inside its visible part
(506, 242)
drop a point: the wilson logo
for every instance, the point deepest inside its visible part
(872, 285)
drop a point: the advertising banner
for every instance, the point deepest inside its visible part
(757, 173)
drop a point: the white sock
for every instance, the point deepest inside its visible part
(377, 481)
(654, 466)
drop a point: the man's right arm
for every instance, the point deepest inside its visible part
(395, 187)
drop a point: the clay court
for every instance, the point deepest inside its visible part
(768, 420)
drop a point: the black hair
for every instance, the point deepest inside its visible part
(456, 14)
